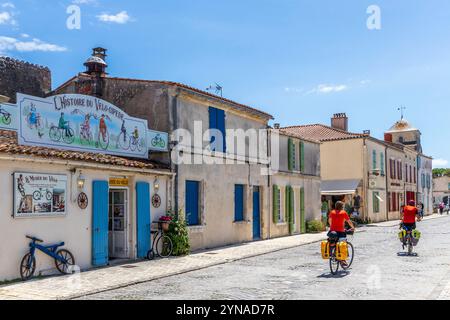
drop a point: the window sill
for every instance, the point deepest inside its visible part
(280, 224)
(241, 222)
(196, 229)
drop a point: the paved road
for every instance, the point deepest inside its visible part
(380, 271)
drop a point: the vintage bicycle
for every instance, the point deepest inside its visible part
(64, 260)
(161, 245)
(40, 194)
(5, 116)
(67, 135)
(136, 143)
(157, 141)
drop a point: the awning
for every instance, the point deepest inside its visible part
(339, 187)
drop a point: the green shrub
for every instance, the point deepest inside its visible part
(178, 233)
(314, 226)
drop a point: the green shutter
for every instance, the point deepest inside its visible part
(291, 210)
(302, 211)
(302, 157)
(291, 154)
(276, 204)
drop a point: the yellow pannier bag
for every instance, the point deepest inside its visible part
(325, 249)
(341, 250)
(416, 234)
(402, 235)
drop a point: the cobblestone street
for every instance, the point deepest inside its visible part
(380, 271)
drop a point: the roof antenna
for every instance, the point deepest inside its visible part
(402, 109)
(217, 89)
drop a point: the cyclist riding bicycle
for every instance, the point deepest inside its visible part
(409, 215)
(337, 220)
(136, 134)
(123, 130)
(103, 128)
(63, 124)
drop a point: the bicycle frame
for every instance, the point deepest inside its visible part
(49, 250)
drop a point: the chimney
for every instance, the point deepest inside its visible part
(99, 52)
(388, 137)
(340, 121)
(96, 64)
(276, 126)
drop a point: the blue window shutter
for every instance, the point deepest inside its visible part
(239, 202)
(192, 203)
(221, 127)
(143, 218)
(100, 198)
(212, 123)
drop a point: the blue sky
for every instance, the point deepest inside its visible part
(299, 60)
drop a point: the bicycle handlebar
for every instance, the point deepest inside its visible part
(35, 239)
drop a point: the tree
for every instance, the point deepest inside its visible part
(440, 172)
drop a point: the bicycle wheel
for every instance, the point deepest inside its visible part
(351, 255)
(49, 196)
(123, 141)
(6, 119)
(67, 256)
(55, 134)
(164, 246)
(141, 145)
(103, 141)
(410, 246)
(69, 137)
(37, 195)
(150, 254)
(27, 267)
(334, 264)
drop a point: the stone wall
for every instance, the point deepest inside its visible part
(24, 77)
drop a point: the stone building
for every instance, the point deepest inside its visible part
(441, 190)
(223, 203)
(352, 167)
(24, 77)
(295, 183)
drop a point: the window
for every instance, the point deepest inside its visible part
(376, 202)
(382, 163)
(192, 203)
(217, 122)
(239, 202)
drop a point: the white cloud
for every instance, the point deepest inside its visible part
(12, 44)
(5, 17)
(440, 163)
(8, 5)
(84, 2)
(328, 88)
(120, 18)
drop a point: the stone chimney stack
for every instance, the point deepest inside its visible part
(340, 121)
(96, 64)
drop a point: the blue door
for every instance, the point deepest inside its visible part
(256, 214)
(100, 196)
(143, 218)
(191, 203)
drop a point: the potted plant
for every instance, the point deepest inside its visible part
(165, 221)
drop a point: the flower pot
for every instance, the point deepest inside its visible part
(165, 226)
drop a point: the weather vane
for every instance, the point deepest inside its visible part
(402, 109)
(217, 88)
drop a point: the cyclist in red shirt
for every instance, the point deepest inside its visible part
(409, 215)
(337, 220)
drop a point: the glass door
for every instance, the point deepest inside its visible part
(117, 223)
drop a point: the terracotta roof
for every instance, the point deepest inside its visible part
(401, 126)
(320, 132)
(239, 106)
(9, 145)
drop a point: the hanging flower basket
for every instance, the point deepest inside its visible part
(165, 222)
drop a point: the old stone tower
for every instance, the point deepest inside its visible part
(20, 76)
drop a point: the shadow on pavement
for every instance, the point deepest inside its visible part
(405, 254)
(340, 274)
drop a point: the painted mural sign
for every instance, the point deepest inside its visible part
(39, 194)
(80, 123)
(158, 141)
(8, 116)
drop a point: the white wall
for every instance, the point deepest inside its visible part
(74, 228)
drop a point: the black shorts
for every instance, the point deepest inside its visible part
(411, 226)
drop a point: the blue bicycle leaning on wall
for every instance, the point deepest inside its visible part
(63, 258)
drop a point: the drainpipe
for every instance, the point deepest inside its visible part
(175, 167)
(365, 181)
(269, 179)
(386, 180)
